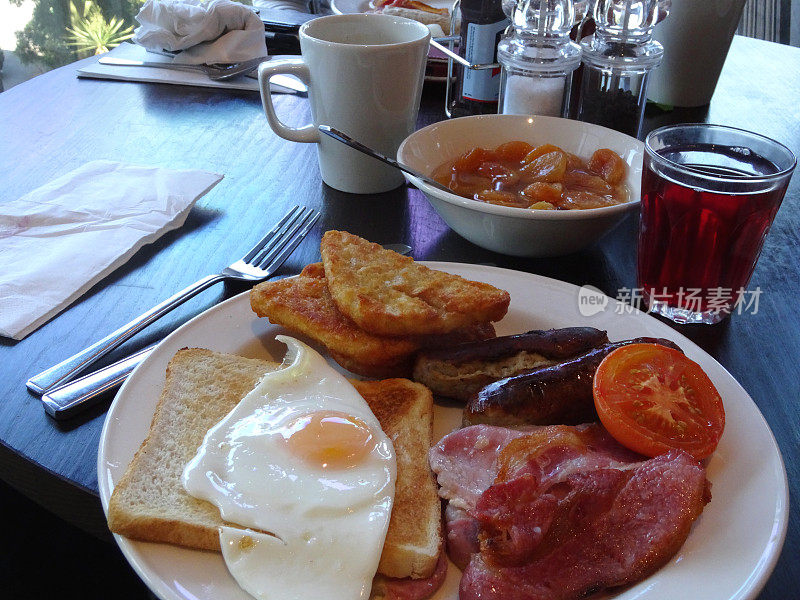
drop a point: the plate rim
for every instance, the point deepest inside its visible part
(335, 9)
(747, 591)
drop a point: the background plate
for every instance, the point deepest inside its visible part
(729, 554)
(347, 7)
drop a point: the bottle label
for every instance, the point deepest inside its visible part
(481, 48)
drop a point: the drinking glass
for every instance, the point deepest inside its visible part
(709, 196)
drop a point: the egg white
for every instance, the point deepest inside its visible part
(327, 526)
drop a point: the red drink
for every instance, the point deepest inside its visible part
(706, 209)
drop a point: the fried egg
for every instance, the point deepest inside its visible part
(304, 474)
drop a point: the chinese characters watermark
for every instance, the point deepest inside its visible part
(713, 300)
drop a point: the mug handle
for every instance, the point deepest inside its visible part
(299, 69)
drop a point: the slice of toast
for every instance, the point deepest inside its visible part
(386, 293)
(414, 539)
(150, 504)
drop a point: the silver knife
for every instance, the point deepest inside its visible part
(248, 69)
(284, 81)
(78, 395)
(214, 73)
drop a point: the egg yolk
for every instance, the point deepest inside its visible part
(329, 440)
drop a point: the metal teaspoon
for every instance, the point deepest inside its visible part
(346, 139)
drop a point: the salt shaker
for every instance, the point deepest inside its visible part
(617, 60)
(538, 59)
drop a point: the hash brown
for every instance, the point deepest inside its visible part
(303, 304)
(385, 293)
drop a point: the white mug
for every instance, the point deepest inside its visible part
(364, 73)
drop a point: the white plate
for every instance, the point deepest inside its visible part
(348, 7)
(729, 554)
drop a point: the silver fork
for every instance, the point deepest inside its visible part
(258, 264)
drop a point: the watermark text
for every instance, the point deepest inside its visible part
(713, 300)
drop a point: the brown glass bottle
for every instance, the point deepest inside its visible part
(476, 91)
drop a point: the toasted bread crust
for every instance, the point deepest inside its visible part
(414, 539)
(386, 293)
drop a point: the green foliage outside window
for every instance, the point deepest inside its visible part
(90, 33)
(54, 38)
(47, 40)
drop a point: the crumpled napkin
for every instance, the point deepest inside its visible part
(62, 238)
(218, 31)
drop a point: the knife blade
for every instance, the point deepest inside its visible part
(284, 81)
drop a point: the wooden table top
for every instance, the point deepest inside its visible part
(57, 122)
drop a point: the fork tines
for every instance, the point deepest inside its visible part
(283, 238)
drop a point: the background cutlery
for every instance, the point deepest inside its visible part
(215, 72)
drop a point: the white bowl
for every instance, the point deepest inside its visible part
(520, 231)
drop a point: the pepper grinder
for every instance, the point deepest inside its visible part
(617, 60)
(538, 59)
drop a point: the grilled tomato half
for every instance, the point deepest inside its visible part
(652, 399)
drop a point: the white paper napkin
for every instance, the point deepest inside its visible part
(62, 238)
(219, 31)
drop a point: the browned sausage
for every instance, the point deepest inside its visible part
(460, 371)
(552, 343)
(557, 394)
